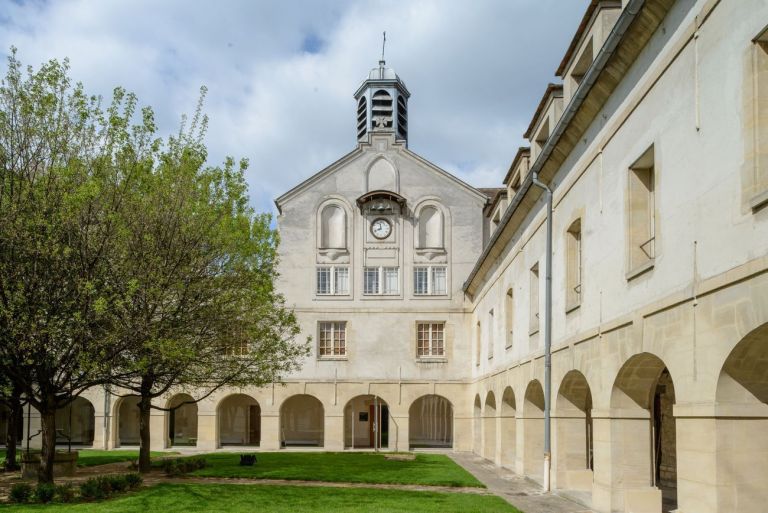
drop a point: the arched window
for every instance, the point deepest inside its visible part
(430, 228)
(381, 110)
(333, 228)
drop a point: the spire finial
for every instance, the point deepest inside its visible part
(383, 44)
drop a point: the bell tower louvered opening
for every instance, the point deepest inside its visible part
(402, 117)
(381, 110)
(362, 118)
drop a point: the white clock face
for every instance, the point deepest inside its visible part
(380, 228)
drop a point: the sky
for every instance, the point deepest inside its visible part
(281, 74)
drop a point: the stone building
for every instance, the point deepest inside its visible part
(427, 298)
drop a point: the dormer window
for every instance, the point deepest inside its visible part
(581, 66)
(362, 118)
(542, 136)
(381, 110)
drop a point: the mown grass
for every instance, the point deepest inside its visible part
(184, 498)
(92, 457)
(425, 469)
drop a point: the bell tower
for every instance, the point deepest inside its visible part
(382, 105)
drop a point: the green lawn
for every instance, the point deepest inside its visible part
(355, 467)
(183, 498)
(91, 457)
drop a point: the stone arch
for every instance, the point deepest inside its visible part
(181, 419)
(643, 438)
(76, 423)
(382, 176)
(477, 426)
(366, 422)
(533, 430)
(128, 421)
(574, 440)
(742, 424)
(302, 421)
(430, 422)
(489, 426)
(239, 421)
(508, 428)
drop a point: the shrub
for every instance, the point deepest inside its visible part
(20, 493)
(171, 467)
(65, 493)
(93, 489)
(134, 480)
(179, 466)
(117, 483)
(44, 492)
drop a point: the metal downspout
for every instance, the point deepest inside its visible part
(547, 337)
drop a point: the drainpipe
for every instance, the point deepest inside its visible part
(547, 337)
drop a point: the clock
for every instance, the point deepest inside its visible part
(381, 228)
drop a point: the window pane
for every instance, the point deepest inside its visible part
(422, 339)
(342, 280)
(420, 280)
(391, 280)
(439, 285)
(340, 340)
(371, 280)
(326, 338)
(437, 340)
(323, 280)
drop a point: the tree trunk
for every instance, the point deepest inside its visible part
(48, 418)
(11, 438)
(144, 434)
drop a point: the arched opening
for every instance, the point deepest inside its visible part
(366, 423)
(381, 110)
(128, 421)
(742, 424)
(489, 427)
(573, 433)
(76, 423)
(508, 428)
(430, 228)
(333, 227)
(302, 419)
(430, 422)
(239, 421)
(477, 426)
(182, 421)
(533, 431)
(382, 176)
(643, 443)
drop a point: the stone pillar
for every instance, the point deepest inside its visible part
(697, 472)
(270, 431)
(158, 430)
(462, 434)
(333, 432)
(207, 437)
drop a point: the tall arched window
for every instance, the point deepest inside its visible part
(430, 228)
(333, 228)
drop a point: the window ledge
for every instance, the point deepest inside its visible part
(331, 358)
(432, 359)
(759, 200)
(571, 308)
(640, 269)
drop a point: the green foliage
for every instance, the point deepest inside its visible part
(179, 466)
(20, 493)
(65, 493)
(44, 492)
(134, 480)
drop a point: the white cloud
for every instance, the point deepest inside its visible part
(281, 74)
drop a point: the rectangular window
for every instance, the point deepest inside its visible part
(641, 195)
(491, 329)
(332, 338)
(430, 281)
(430, 339)
(534, 293)
(332, 281)
(509, 311)
(573, 266)
(759, 195)
(381, 280)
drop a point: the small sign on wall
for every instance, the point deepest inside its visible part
(363, 417)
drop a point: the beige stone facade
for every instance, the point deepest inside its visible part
(425, 297)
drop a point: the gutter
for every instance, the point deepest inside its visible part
(625, 19)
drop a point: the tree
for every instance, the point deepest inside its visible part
(199, 267)
(65, 167)
(10, 398)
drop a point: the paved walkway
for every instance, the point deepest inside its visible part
(519, 491)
